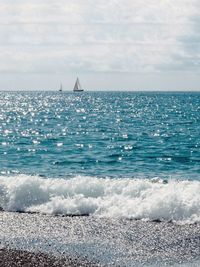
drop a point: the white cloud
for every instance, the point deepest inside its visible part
(97, 36)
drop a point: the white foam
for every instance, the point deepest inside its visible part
(178, 201)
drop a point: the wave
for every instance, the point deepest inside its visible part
(177, 201)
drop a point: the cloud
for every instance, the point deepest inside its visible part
(98, 36)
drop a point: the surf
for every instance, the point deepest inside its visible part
(142, 199)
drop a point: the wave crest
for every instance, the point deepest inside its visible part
(177, 201)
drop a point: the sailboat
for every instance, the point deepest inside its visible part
(60, 90)
(77, 86)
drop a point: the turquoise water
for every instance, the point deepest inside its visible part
(101, 134)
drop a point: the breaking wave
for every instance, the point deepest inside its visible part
(177, 201)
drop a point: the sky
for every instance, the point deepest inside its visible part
(108, 44)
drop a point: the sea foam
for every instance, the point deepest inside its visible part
(177, 201)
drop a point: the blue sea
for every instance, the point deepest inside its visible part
(101, 134)
(91, 152)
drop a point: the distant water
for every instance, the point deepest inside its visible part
(125, 137)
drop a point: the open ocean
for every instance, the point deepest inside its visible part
(110, 155)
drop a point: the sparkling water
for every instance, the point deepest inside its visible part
(110, 154)
(100, 134)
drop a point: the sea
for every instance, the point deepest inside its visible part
(131, 156)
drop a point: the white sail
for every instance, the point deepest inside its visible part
(77, 86)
